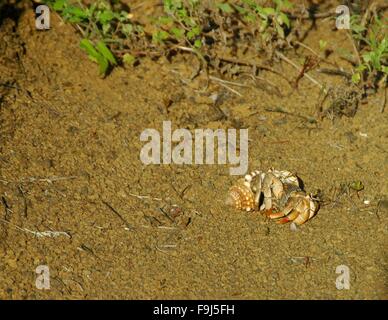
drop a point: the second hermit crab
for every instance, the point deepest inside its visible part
(277, 194)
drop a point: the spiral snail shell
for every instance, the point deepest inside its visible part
(241, 196)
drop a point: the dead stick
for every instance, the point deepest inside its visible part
(22, 192)
(118, 215)
(284, 58)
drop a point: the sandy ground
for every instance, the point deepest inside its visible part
(69, 162)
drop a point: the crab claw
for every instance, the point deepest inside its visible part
(283, 220)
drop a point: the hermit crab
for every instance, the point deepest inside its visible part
(277, 194)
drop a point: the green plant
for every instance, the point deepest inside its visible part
(209, 30)
(372, 46)
(99, 54)
(180, 23)
(103, 29)
(322, 44)
(267, 17)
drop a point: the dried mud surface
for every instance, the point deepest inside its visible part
(59, 119)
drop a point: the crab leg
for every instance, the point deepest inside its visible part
(296, 210)
(304, 210)
(283, 213)
(271, 184)
(292, 216)
(258, 193)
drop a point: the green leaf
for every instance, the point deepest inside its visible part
(249, 17)
(178, 33)
(356, 185)
(197, 43)
(267, 11)
(123, 16)
(90, 10)
(182, 13)
(356, 77)
(165, 20)
(129, 59)
(241, 10)
(103, 63)
(361, 68)
(139, 29)
(383, 47)
(159, 36)
(95, 56)
(189, 22)
(106, 52)
(106, 16)
(284, 19)
(59, 5)
(225, 7)
(322, 44)
(105, 28)
(127, 29)
(358, 28)
(86, 45)
(196, 31)
(367, 57)
(74, 14)
(170, 6)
